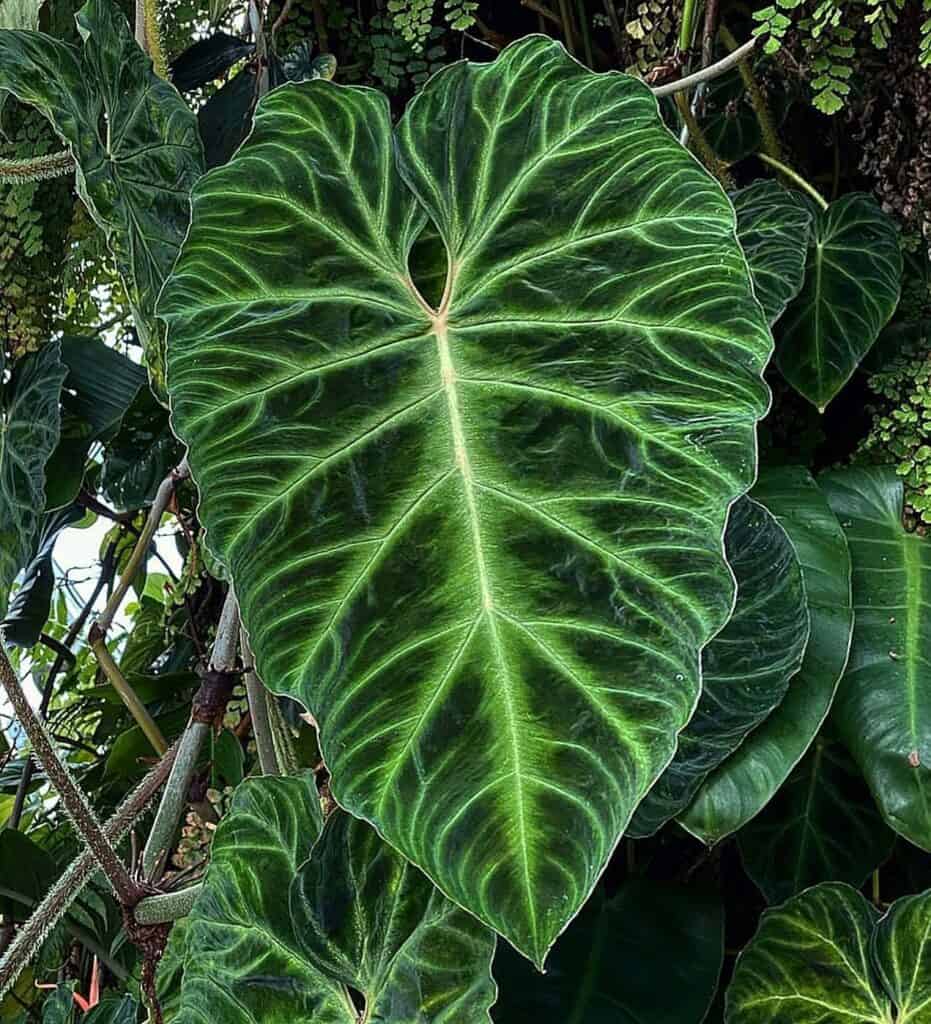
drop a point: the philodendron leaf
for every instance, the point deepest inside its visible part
(821, 826)
(29, 425)
(773, 226)
(352, 933)
(28, 611)
(883, 705)
(749, 778)
(133, 138)
(852, 281)
(825, 956)
(481, 543)
(746, 669)
(651, 953)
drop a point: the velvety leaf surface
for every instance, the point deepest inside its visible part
(134, 140)
(489, 526)
(825, 956)
(809, 963)
(821, 826)
(29, 426)
(747, 780)
(747, 667)
(773, 226)
(902, 954)
(651, 953)
(274, 938)
(883, 705)
(851, 288)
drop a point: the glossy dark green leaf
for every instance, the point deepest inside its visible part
(746, 669)
(745, 783)
(651, 953)
(821, 826)
(29, 427)
(883, 705)
(353, 933)
(134, 140)
(101, 383)
(140, 456)
(29, 608)
(728, 119)
(773, 226)
(208, 59)
(494, 525)
(825, 957)
(852, 280)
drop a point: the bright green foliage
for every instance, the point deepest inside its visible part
(746, 669)
(20, 13)
(852, 282)
(132, 137)
(826, 956)
(651, 953)
(414, 18)
(747, 780)
(883, 706)
(489, 526)
(821, 826)
(901, 433)
(276, 937)
(29, 425)
(773, 225)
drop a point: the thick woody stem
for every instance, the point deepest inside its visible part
(72, 797)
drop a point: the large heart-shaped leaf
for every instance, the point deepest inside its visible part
(747, 780)
(746, 669)
(822, 826)
(29, 426)
(133, 138)
(651, 953)
(825, 957)
(883, 705)
(353, 933)
(773, 225)
(481, 542)
(852, 281)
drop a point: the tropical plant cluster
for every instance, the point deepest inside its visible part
(499, 441)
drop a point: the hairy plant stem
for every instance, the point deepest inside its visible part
(707, 155)
(66, 890)
(757, 100)
(258, 698)
(108, 567)
(706, 74)
(72, 797)
(175, 798)
(36, 168)
(795, 178)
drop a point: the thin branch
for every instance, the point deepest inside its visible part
(128, 695)
(67, 889)
(795, 178)
(162, 499)
(707, 74)
(72, 797)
